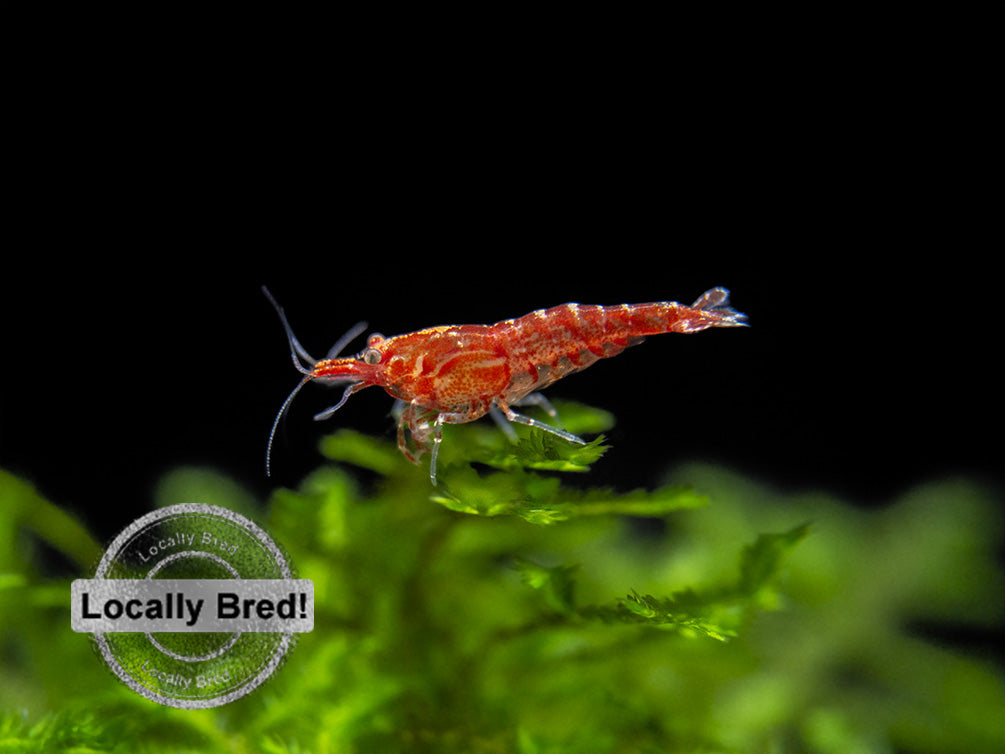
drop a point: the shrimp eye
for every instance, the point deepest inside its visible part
(371, 356)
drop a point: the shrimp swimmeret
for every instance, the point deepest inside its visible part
(458, 373)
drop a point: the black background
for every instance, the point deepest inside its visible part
(853, 377)
(839, 201)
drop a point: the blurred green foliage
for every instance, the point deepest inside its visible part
(507, 610)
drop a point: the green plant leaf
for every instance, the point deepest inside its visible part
(761, 560)
(23, 505)
(543, 500)
(523, 612)
(555, 583)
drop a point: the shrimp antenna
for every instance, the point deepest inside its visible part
(346, 339)
(295, 348)
(304, 364)
(275, 423)
(350, 389)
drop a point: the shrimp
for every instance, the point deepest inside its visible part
(455, 374)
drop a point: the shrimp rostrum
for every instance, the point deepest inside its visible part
(454, 374)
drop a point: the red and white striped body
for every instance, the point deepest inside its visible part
(458, 373)
(546, 345)
(465, 369)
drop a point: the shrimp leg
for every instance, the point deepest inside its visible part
(425, 427)
(513, 416)
(538, 399)
(422, 423)
(441, 419)
(531, 399)
(417, 420)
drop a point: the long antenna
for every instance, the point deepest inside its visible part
(305, 364)
(272, 432)
(295, 348)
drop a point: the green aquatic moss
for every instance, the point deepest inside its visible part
(513, 608)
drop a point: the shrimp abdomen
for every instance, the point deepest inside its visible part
(549, 344)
